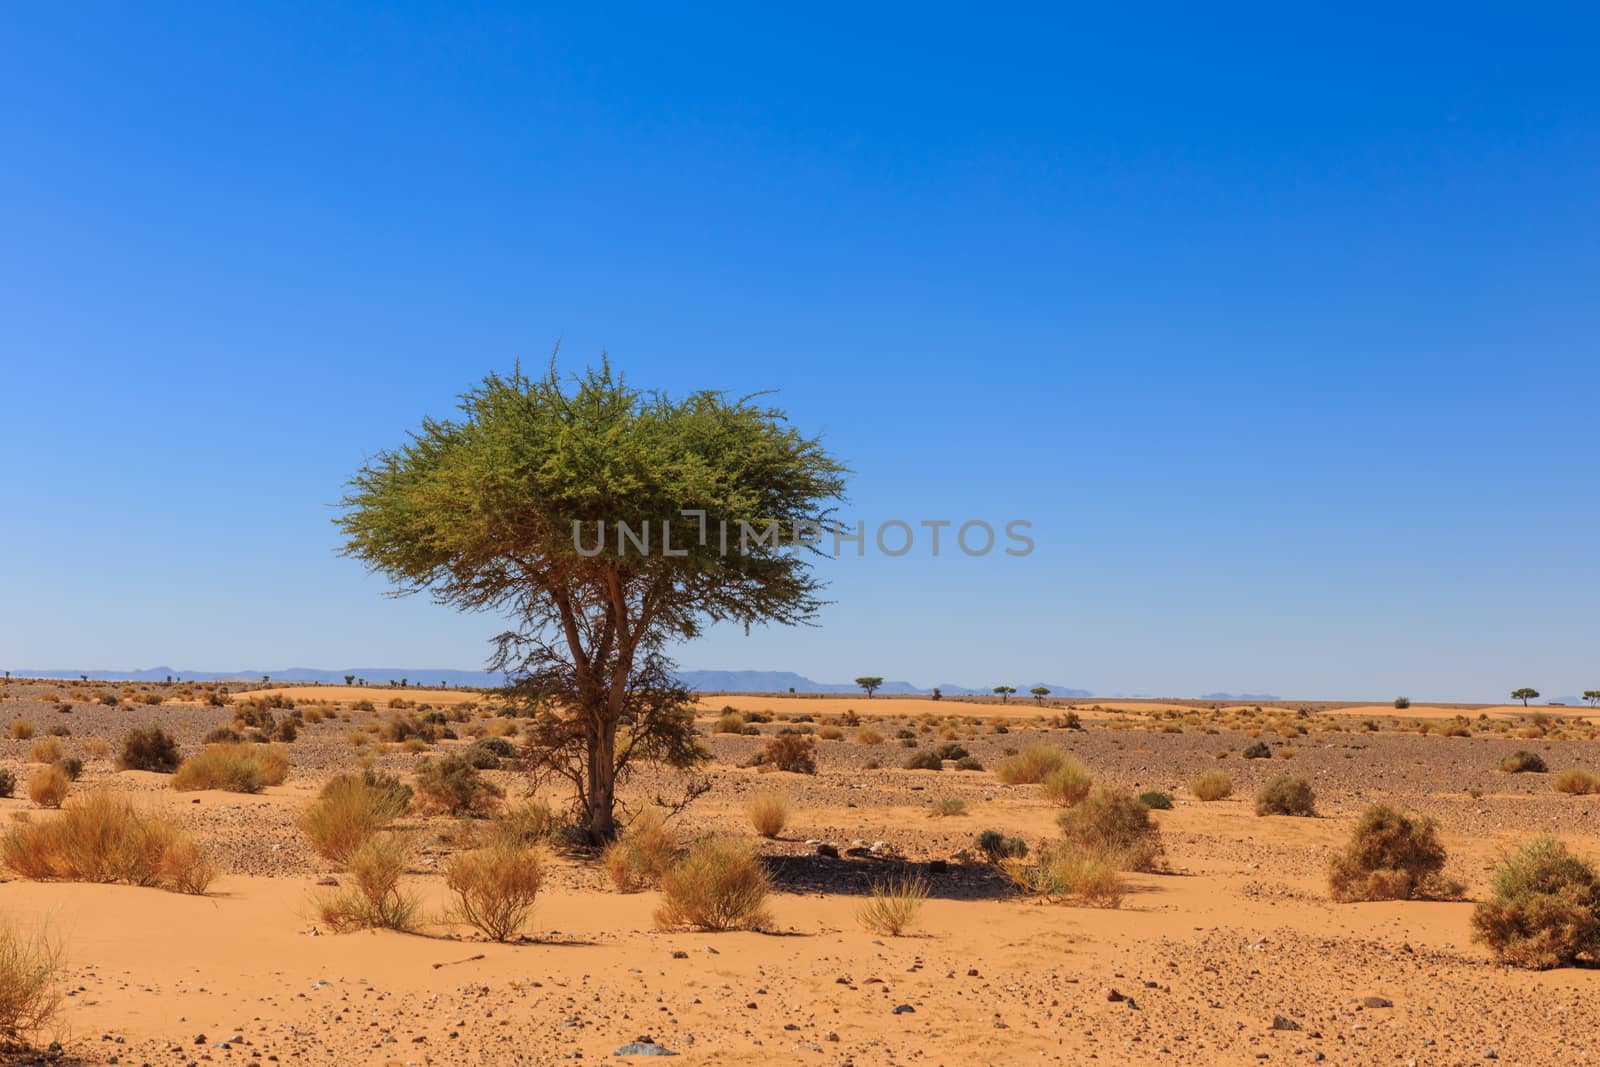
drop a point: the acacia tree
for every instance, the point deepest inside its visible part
(1524, 694)
(1039, 693)
(1592, 696)
(869, 683)
(1005, 692)
(531, 503)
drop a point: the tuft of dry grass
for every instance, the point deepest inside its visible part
(639, 858)
(351, 809)
(495, 888)
(371, 896)
(1578, 781)
(1111, 823)
(1523, 762)
(1069, 873)
(868, 736)
(894, 906)
(31, 976)
(946, 807)
(1544, 910)
(769, 813)
(233, 767)
(45, 750)
(1030, 766)
(22, 729)
(48, 786)
(1212, 785)
(1391, 855)
(720, 885)
(1067, 784)
(103, 838)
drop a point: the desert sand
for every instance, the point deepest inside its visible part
(1234, 933)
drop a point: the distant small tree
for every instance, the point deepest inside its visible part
(1402, 702)
(1592, 696)
(869, 683)
(265, 678)
(937, 694)
(1005, 692)
(1039, 693)
(1524, 694)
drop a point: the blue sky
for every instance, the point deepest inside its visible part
(1278, 325)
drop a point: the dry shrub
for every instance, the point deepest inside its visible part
(97, 748)
(235, 768)
(769, 813)
(350, 809)
(526, 824)
(1212, 785)
(48, 786)
(1067, 784)
(22, 729)
(1285, 795)
(1066, 872)
(1111, 823)
(1578, 781)
(894, 906)
(452, 785)
(148, 748)
(795, 753)
(1030, 766)
(495, 888)
(1545, 907)
(31, 974)
(1523, 762)
(45, 750)
(371, 896)
(868, 736)
(720, 885)
(946, 807)
(104, 838)
(639, 858)
(1391, 855)
(729, 723)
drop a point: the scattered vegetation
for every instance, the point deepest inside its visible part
(720, 885)
(1257, 750)
(1212, 785)
(1111, 823)
(1578, 781)
(1067, 784)
(996, 847)
(495, 888)
(945, 807)
(102, 837)
(1156, 800)
(638, 859)
(1066, 872)
(31, 976)
(452, 785)
(1030, 766)
(48, 786)
(1286, 795)
(234, 768)
(769, 813)
(148, 748)
(1523, 762)
(795, 753)
(924, 761)
(1544, 908)
(371, 896)
(350, 809)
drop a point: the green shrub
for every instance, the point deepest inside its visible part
(1257, 750)
(924, 761)
(1067, 784)
(1544, 910)
(1523, 762)
(795, 753)
(1064, 872)
(1156, 800)
(1112, 822)
(720, 885)
(148, 748)
(996, 846)
(8, 784)
(452, 785)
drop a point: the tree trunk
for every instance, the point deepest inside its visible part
(603, 782)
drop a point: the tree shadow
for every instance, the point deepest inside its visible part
(855, 876)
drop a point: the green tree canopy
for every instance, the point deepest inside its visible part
(1524, 694)
(869, 683)
(560, 503)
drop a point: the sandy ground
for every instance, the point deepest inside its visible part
(1193, 968)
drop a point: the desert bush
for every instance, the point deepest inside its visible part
(1067, 784)
(924, 761)
(1112, 823)
(1285, 795)
(1156, 800)
(1523, 762)
(1030, 766)
(1257, 750)
(893, 906)
(795, 753)
(1544, 910)
(729, 723)
(8, 784)
(495, 888)
(1063, 872)
(969, 763)
(947, 806)
(1391, 855)
(31, 975)
(235, 768)
(769, 813)
(1578, 781)
(148, 748)
(1212, 785)
(868, 736)
(371, 896)
(1402, 703)
(829, 733)
(71, 766)
(720, 885)
(639, 858)
(48, 786)
(952, 751)
(61, 729)
(102, 837)
(350, 809)
(453, 785)
(22, 729)
(526, 824)
(486, 753)
(223, 735)
(45, 750)
(996, 846)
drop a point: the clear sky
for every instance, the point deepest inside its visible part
(1279, 325)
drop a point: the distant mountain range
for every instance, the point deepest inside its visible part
(701, 681)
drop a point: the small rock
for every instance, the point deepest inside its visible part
(1281, 1023)
(1377, 1002)
(904, 1009)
